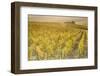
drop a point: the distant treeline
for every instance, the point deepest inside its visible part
(60, 24)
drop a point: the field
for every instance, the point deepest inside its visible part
(56, 40)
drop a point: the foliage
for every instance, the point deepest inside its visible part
(53, 41)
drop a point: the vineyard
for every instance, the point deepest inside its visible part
(51, 40)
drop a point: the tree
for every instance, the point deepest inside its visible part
(73, 22)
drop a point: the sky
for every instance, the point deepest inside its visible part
(45, 18)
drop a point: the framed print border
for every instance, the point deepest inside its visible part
(15, 37)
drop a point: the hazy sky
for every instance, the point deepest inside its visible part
(43, 18)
